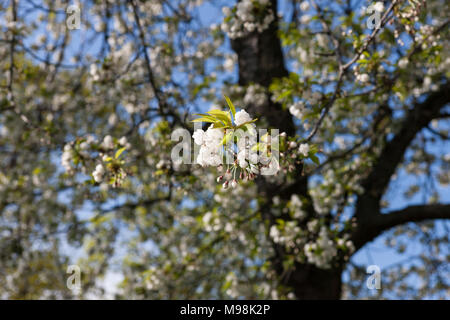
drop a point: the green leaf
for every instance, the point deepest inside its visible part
(313, 148)
(314, 159)
(231, 106)
(206, 119)
(217, 112)
(119, 152)
(223, 116)
(220, 125)
(284, 95)
(245, 123)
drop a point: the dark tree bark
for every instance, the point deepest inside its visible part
(261, 60)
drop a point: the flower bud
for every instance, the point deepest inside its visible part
(225, 185)
(219, 179)
(234, 183)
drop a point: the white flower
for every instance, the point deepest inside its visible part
(84, 145)
(67, 147)
(241, 159)
(403, 62)
(297, 109)
(304, 149)
(198, 136)
(229, 64)
(94, 72)
(363, 77)
(98, 173)
(99, 168)
(304, 6)
(275, 234)
(209, 157)
(427, 83)
(378, 6)
(241, 117)
(213, 137)
(305, 19)
(108, 142)
(97, 176)
(123, 141)
(211, 146)
(65, 159)
(226, 11)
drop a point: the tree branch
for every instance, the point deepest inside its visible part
(383, 222)
(392, 154)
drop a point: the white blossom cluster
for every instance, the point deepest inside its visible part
(212, 150)
(288, 235)
(362, 77)
(298, 109)
(296, 207)
(233, 285)
(248, 16)
(211, 222)
(426, 36)
(242, 117)
(210, 142)
(322, 251)
(70, 151)
(66, 157)
(304, 149)
(91, 150)
(229, 64)
(153, 278)
(378, 6)
(255, 94)
(98, 173)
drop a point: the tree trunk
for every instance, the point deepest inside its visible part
(260, 60)
(310, 282)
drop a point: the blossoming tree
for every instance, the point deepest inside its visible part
(358, 92)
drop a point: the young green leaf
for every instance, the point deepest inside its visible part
(206, 119)
(119, 152)
(314, 159)
(231, 106)
(223, 116)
